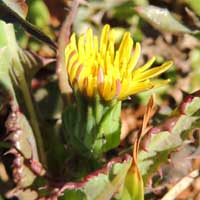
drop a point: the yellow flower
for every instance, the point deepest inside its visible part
(96, 67)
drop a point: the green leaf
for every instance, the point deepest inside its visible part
(109, 128)
(5, 80)
(14, 80)
(74, 125)
(38, 13)
(18, 78)
(10, 16)
(73, 195)
(193, 106)
(23, 147)
(133, 186)
(194, 5)
(103, 184)
(26, 140)
(124, 10)
(115, 185)
(167, 137)
(161, 19)
(93, 127)
(32, 63)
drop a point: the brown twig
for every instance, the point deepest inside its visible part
(63, 40)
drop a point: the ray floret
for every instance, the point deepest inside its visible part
(95, 66)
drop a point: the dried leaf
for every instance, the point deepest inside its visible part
(133, 185)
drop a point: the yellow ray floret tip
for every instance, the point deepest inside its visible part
(97, 66)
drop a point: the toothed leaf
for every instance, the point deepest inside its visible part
(100, 185)
(168, 136)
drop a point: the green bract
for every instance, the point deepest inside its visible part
(92, 127)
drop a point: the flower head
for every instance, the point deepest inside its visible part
(97, 67)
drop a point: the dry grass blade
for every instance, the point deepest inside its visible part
(147, 116)
(181, 185)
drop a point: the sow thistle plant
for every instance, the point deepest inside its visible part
(47, 157)
(101, 76)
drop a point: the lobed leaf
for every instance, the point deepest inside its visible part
(106, 182)
(167, 137)
(25, 164)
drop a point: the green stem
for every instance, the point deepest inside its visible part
(33, 119)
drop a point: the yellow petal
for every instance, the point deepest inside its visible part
(97, 67)
(81, 48)
(147, 65)
(89, 43)
(136, 55)
(152, 72)
(104, 39)
(123, 45)
(139, 87)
